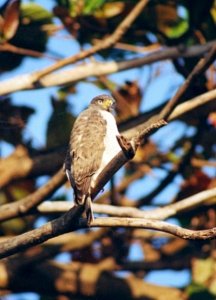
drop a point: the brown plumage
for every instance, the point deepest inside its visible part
(93, 144)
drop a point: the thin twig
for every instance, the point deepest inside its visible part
(22, 51)
(156, 225)
(106, 43)
(199, 68)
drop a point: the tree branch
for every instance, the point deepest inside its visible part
(23, 206)
(155, 225)
(66, 223)
(81, 72)
(199, 68)
(156, 214)
(6, 47)
(104, 44)
(71, 221)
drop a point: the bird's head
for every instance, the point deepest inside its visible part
(104, 102)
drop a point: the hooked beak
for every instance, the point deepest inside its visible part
(109, 104)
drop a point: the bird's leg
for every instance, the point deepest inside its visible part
(127, 146)
(88, 210)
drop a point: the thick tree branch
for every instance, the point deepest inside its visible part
(66, 223)
(199, 106)
(71, 221)
(190, 105)
(21, 207)
(81, 72)
(158, 213)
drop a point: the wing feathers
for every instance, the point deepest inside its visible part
(86, 151)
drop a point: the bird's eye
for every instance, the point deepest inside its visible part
(100, 101)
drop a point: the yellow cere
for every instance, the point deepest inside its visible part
(107, 103)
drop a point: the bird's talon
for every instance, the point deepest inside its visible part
(88, 211)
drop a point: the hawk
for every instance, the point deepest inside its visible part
(94, 141)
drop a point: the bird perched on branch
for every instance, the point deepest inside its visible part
(94, 141)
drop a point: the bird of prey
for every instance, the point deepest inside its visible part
(94, 141)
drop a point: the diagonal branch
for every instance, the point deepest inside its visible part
(108, 42)
(201, 103)
(199, 68)
(21, 207)
(81, 72)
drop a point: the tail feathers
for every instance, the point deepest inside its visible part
(82, 189)
(82, 194)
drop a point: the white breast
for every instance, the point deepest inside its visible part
(112, 147)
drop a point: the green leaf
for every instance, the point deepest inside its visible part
(171, 23)
(32, 12)
(92, 5)
(170, 19)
